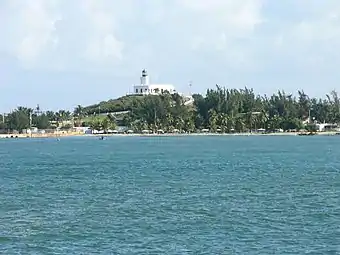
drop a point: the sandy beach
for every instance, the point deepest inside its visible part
(70, 134)
(41, 135)
(214, 134)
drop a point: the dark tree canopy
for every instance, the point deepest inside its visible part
(221, 108)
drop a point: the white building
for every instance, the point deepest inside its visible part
(145, 88)
(321, 127)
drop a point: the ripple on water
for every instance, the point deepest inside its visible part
(188, 195)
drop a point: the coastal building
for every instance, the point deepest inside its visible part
(145, 88)
(324, 127)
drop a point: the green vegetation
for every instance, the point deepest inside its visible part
(103, 123)
(20, 119)
(124, 103)
(220, 109)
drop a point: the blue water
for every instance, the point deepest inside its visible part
(170, 195)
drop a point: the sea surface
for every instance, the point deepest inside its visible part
(170, 195)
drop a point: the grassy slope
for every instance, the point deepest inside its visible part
(113, 105)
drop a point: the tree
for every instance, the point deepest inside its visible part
(108, 123)
(19, 119)
(311, 128)
(3, 126)
(51, 115)
(105, 124)
(213, 119)
(62, 116)
(2, 122)
(189, 125)
(42, 122)
(291, 123)
(219, 108)
(111, 120)
(95, 123)
(79, 115)
(223, 121)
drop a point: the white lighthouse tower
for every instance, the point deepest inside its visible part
(145, 88)
(144, 79)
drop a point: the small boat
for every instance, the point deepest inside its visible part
(102, 138)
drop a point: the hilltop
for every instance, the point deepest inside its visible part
(123, 109)
(124, 103)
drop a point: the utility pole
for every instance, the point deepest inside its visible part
(309, 115)
(155, 119)
(30, 120)
(31, 123)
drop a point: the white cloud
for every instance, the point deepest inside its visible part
(229, 19)
(325, 28)
(95, 33)
(310, 40)
(34, 36)
(225, 28)
(30, 29)
(42, 32)
(102, 42)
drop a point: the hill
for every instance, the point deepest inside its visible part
(123, 103)
(225, 109)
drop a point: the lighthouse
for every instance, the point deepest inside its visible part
(144, 79)
(145, 88)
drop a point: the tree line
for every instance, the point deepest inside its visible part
(229, 110)
(221, 109)
(24, 118)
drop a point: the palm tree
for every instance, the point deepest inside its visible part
(223, 120)
(213, 119)
(79, 114)
(51, 115)
(239, 124)
(62, 116)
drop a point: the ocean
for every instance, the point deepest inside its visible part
(170, 195)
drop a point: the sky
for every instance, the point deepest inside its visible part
(61, 53)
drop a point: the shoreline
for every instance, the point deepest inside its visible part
(212, 134)
(28, 136)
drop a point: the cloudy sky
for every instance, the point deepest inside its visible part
(60, 53)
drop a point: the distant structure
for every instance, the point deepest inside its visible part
(37, 110)
(145, 88)
(190, 85)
